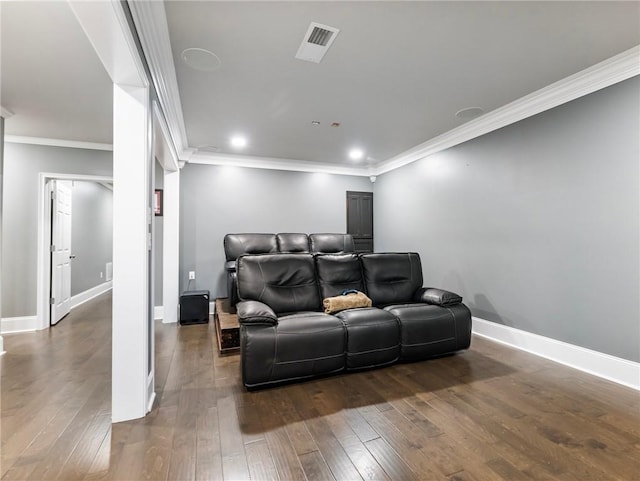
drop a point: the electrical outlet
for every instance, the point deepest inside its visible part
(192, 275)
(101, 274)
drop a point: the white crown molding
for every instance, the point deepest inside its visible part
(150, 19)
(170, 165)
(608, 367)
(608, 72)
(74, 144)
(274, 164)
(5, 113)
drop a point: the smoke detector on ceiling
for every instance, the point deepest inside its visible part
(316, 42)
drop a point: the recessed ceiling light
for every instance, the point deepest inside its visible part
(469, 113)
(335, 124)
(238, 141)
(315, 122)
(201, 59)
(356, 154)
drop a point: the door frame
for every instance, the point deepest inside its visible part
(43, 288)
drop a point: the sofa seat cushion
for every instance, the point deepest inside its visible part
(427, 330)
(303, 344)
(373, 337)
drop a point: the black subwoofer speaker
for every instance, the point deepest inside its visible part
(194, 307)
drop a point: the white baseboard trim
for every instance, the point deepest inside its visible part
(212, 308)
(89, 294)
(11, 325)
(2, 351)
(609, 367)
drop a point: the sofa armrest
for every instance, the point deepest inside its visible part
(254, 312)
(438, 297)
(230, 266)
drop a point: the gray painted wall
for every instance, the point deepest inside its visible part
(537, 224)
(91, 234)
(22, 164)
(219, 200)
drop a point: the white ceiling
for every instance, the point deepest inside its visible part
(52, 79)
(394, 77)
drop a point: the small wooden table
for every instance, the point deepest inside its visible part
(227, 327)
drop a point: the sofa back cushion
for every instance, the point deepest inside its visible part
(285, 282)
(337, 272)
(236, 245)
(391, 278)
(331, 243)
(293, 243)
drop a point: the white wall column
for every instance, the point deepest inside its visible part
(131, 171)
(171, 246)
(106, 26)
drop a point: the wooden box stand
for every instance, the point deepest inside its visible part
(227, 327)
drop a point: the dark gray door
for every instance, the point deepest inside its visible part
(360, 219)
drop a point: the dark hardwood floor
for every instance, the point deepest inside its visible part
(491, 413)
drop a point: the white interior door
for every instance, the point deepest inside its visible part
(60, 250)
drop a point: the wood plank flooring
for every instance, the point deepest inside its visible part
(491, 413)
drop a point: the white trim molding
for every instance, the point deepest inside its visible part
(150, 19)
(158, 313)
(10, 325)
(274, 164)
(2, 351)
(73, 144)
(89, 294)
(608, 367)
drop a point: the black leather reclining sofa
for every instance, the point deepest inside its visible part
(285, 335)
(236, 245)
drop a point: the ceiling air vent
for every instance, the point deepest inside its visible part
(316, 42)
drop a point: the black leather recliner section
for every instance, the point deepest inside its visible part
(284, 282)
(391, 278)
(236, 245)
(290, 243)
(277, 346)
(432, 321)
(331, 243)
(373, 335)
(337, 273)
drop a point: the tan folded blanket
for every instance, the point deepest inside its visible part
(350, 301)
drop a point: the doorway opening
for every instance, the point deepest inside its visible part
(55, 248)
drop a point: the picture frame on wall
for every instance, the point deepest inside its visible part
(157, 202)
